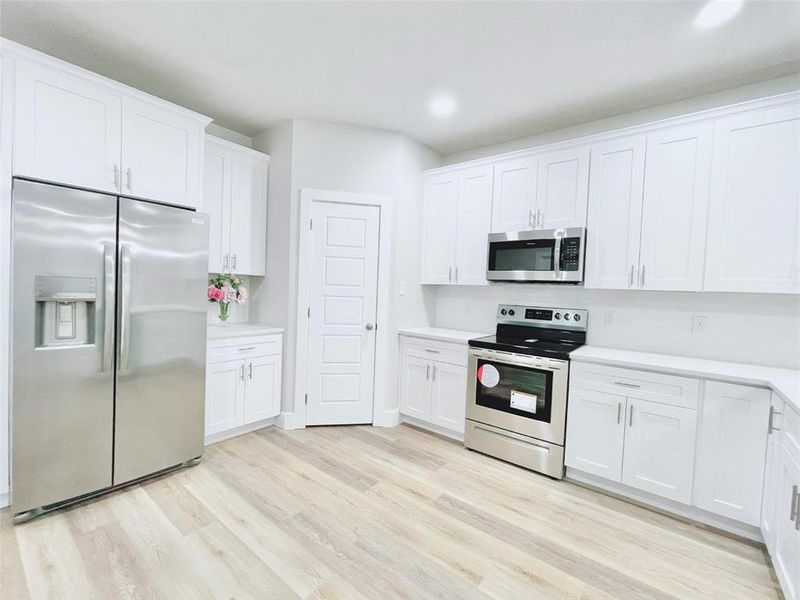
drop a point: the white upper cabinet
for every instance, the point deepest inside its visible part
(562, 189)
(441, 206)
(162, 153)
(615, 213)
(514, 197)
(675, 205)
(754, 213)
(235, 198)
(66, 129)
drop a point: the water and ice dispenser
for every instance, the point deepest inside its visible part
(65, 310)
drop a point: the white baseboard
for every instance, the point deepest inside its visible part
(289, 420)
(229, 433)
(675, 509)
(453, 435)
(5, 500)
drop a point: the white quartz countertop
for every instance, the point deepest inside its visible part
(784, 382)
(216, 332)
(444, 335)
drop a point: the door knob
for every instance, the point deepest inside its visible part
(370, 326)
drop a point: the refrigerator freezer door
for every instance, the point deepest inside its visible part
(163, 277)
(62, 408)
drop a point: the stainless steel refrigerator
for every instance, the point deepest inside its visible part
(108, 342)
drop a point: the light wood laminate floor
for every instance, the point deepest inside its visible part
(361, 512)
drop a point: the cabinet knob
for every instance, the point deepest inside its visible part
(370, 326)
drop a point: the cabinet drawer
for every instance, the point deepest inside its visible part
(454, 354)
(243, 347)
(790, 425)
(647, 385)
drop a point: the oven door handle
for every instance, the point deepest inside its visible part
(509, 358)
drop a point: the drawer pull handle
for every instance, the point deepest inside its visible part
(794, 507)
(247, 348)
(630, 385)
(771, 426)
(431, 351)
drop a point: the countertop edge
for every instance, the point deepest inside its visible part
(442, 335)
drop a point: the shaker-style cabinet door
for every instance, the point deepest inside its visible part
(217, 204)
(448, 399)
(415, 388)
(769, 502)
(754, 210)
(248, 210)
(439, 236)
(224, 395)
(615, 213)
(562, 188)
(514, 195)
(595, 432)
(472, 227)
(786, 557)
(262, 388)
(162, 152)
(66, 129)
(675, 206)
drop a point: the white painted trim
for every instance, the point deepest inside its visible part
(453, 435)
(5, 500)
(683, 511)
(236, 431)
(14, 50)
(711, 113)
(383, 340)
(237, 147)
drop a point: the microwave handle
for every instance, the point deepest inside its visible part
(557, 259)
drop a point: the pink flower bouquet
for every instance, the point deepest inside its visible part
(225, 289)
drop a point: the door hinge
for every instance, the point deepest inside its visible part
(308, 312)
(306, 398)
(311, 223)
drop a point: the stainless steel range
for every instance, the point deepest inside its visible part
(517, 386)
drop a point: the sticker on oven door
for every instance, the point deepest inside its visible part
(488, 375)
(523, 401)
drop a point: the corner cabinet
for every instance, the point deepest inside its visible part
(77, 128)
(243, 384)
(458, 207)
(235, 198)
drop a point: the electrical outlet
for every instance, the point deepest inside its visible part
(609, 318)
(699, 323)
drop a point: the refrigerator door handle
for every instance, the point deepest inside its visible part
(125, 307)
(109, 278)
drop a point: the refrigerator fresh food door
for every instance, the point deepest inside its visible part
(161, 338)
(62, 407)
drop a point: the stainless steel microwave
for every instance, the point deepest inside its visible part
(541, 255)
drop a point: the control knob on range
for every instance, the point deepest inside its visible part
(567, 316)
(577, 317)
(557, 315)
(510, 312)
(503, 311)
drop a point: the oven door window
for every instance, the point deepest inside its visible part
(520, 391)
(522, 255)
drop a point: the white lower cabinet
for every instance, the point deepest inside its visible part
(449, 396)
(224, 396)
(595, 432)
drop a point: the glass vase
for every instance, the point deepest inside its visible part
(224, 311)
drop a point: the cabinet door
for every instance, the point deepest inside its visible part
(754, 212)
(659, 449)
(66, 129)
(415, 388)
(731, 450)
(473, 215)
(562, 189)
(248, 214)
(615, 213)
(514, 195)
(786, 558)
(441, 206)
(769, 503)
(595, 432)
(675, 205)
(262, 388)
(224, 396)
(217, 204)
(161, 154)
(449, 396)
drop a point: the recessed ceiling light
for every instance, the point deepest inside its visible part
(442, 105)
(717, 12)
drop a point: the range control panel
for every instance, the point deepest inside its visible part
(562, 318)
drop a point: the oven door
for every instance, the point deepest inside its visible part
(523, 394)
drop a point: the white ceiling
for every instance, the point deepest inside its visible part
(515, 69)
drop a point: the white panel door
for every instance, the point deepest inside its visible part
(449, 397)
(514, 195)
(224, 395)
(754, 213)
(248, 214)
(217, 204)
(731, 450)
(66, 130)
(769, 503)
(415, 388)
(675, 206)
(595, 432)
(615, 213)
(343, 302)
(439, 244)
(161, 154)
(263, 392)
(562, 189)
(473, 215)
(786, 558)
(659, 449)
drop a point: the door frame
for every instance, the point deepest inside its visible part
(383, 349)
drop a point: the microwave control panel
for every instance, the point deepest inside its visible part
(569, 259)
